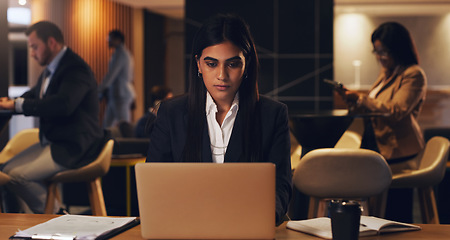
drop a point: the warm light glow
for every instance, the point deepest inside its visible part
(349, 28)
(352, 46)
(444, 28)
(19, 15)
(22, 2)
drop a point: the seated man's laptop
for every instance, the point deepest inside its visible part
(206, 200)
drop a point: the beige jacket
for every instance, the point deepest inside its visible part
(398, 135)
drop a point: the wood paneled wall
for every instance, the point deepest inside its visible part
(85, 25)
(4, 50)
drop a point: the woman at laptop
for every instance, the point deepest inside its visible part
(223, 118)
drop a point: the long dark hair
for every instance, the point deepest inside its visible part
(216, 30)
(398, 41)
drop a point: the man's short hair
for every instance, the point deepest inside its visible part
(117, 34)
(45, 30)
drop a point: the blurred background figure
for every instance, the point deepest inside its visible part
(116, 87)
(65, 100)
(158, 93)
(400, 91)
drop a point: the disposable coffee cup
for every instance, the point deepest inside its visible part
(345, 219)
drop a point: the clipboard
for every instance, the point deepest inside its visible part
(120, 230)
(105, 235)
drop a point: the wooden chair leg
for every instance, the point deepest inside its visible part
(322, 208)
(96, 198)
(313, 207)
(365, 207)
(51, 195)
(428, 206)
(377, 205)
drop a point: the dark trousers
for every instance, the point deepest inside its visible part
(400, 201)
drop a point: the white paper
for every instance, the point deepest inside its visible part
(79, 226)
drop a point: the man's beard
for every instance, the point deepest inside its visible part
(45, 57)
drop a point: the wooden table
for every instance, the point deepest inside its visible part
(10, 222)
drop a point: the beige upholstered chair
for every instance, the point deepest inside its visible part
(431, 164)
(90, 174)
(18, 143)
(349, 174)
(4, 179)
(352, 137)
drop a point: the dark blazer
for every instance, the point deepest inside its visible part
(168, 138)
(68, 112)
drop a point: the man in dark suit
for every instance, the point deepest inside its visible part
(65, 100)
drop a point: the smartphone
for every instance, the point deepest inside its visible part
(334, 84)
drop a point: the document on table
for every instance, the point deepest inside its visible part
(77, 227)
(369, 226)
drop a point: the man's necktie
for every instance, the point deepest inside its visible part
(45, 80)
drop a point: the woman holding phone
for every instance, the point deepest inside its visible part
(400, 91)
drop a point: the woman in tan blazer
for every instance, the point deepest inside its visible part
(400, 91)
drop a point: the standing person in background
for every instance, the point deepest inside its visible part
(117, 87)
(157, 94)
(400, 91)
(223, 118)
(65, 100)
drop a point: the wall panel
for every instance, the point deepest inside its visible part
(294, 40)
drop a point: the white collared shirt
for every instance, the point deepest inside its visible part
(219, 135)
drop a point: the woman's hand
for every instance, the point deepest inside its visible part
(351, 97)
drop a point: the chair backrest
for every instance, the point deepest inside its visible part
(435, 153)
(352, 137)
(432, 164)
(349, 139)
(342, 173)
(4, 179)
(18, 143)
(98, 168)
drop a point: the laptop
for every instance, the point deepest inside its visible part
(206, 200)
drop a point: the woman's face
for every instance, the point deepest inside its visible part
(383, 55)
(222, 67)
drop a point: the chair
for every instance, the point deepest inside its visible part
(430, 172)
(348, 174)
(90, 174)
(4, 179)
(18, 143)
(296, 151)
(352, 137)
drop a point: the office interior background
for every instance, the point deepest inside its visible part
(299, 43)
